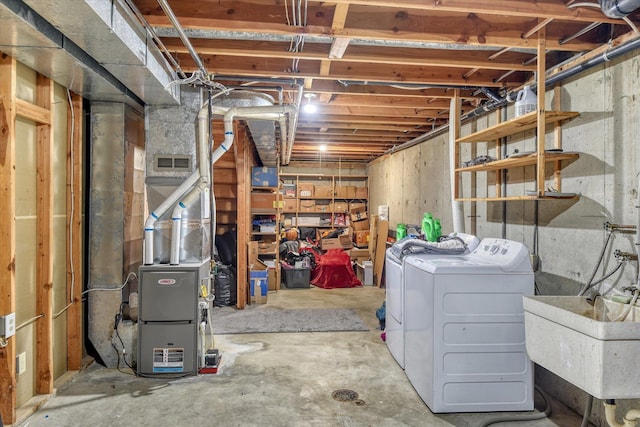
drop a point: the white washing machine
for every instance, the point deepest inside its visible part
(464, 329)
(395, 289)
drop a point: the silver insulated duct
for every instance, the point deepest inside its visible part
(618, 8)
(263, 132)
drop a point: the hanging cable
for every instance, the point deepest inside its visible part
(129, 276)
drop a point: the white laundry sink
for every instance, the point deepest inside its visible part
(580, 343)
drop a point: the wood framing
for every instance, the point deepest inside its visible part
(243, 173)
(542, 122)
(74, 233)
(44, 233)
(7, 232)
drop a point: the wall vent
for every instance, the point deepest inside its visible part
(172, 162)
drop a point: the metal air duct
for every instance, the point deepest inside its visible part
(618, 8)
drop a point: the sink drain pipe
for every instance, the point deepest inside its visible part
(631, 418)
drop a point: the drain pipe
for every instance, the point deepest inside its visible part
(631, 418)
(265, 113)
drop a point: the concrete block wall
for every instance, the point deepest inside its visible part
(570, 233)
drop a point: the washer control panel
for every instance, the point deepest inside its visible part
(510, 255)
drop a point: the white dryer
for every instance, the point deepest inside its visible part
(464, 329)
(395, 290)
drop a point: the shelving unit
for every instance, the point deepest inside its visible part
(335, 190)
(263, 206)
(540, 158)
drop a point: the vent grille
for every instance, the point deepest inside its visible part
(172, 162)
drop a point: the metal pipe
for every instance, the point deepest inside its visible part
(619, 8)
(292, 126)
(579, 33)
(174, 20)
(551, 81)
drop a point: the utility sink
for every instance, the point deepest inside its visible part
(580, 343)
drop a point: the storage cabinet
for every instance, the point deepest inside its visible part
(321, 201)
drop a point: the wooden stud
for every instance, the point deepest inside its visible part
(454, 134)
(243, 174)
(498, 155)
(7, 231)
(74, 233)
(541, 133)
(557, 140)
(44, 227)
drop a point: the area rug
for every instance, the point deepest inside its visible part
(265, 319)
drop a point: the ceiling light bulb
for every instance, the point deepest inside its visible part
(323, 147)
(310, 108)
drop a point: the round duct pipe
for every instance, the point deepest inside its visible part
(618, 8)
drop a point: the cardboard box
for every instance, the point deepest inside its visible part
(262, 201)
(356, 253)
(323, 192)
(358, 214)
(360, 225)
(357, 205)
(271, 278)
(323, 208)
(289, 190)
(264, 177)
(362, 192)
(340, 242)
(346, 192)
(361, 238)
(305, 189)
(340, 207)
(290, 205)
(258, 286)
(307, 205)
(266, 247)
(308, 221)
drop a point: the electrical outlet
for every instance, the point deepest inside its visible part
(21, 363)
(8, 325)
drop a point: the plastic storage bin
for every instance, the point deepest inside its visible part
(297, 277)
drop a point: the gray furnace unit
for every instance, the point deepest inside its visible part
(169, 317)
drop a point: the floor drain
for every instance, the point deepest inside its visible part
(344, 395)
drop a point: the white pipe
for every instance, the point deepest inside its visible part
(272, 112)
(457, 208)
(292, 126)
(149, 224)
(631, 418)
(610, 414)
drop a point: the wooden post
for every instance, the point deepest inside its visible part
(541, 69)
(557, 140)
(7, 232)
(244, 183)
(454, 133)
(74, 233)
(44, 226)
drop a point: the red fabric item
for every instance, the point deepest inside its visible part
(334, 270)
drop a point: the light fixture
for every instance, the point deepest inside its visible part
(309, 107)
(322, 147)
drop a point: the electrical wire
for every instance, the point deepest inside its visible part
(28, 322)
(117, 321)
(132, 274)
(523, 417)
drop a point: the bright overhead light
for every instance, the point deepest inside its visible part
(322, 147)
(309, 107)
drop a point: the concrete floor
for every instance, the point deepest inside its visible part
(271, 380)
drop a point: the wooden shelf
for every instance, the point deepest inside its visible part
(271, 212)
(272, 189)
(519, 124)
(529, 160)
(516, 198)
(260, 233)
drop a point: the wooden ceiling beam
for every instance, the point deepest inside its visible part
(380, 126)
(511, 38)
(534, 9)
(389, 56)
